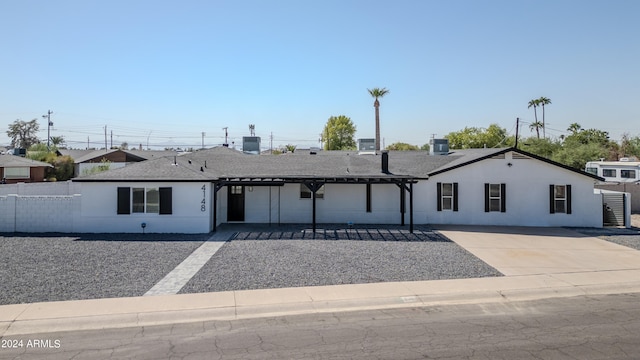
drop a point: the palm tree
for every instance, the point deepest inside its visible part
(534, 103)
(377, 93)
(536, 125)
(542, 102)
(57, 141)
(574, 128)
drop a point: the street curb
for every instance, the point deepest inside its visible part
(138, 315)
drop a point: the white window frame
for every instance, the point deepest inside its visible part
(609, 176)
(493, 198)
(445, 196)
(23, 172)
(149, 206)
(560, 199)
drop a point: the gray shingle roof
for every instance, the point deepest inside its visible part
(80, 156)
(224, 163)
(19, 161)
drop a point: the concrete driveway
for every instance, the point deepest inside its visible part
(532, 251)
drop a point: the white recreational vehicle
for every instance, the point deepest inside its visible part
(625, 170)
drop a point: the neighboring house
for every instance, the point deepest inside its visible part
(197, 192)
(86, 160)
(14, 169)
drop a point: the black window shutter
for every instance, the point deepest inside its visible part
(552, 199)
(568, 194)
(439, 191)
(486, 197)
(455, 196)
(368, 197)
(124, 201)
(166, 200)
(503, 197)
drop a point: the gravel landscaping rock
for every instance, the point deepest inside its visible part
(621, 236)
(51, 267)
(250, 261)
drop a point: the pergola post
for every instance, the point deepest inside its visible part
(411, 207)
(402, 202)
(313, 186)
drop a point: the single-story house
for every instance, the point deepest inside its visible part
(14, 169)
(86, 160)
(197, 192)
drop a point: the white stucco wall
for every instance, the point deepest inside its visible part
(44, 213)
(527, 189)
(100, 200)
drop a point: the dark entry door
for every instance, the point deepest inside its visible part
(235, 203)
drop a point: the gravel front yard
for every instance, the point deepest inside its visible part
(49, 267)
(370, 256)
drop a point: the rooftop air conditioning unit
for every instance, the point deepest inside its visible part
(251, 145)
(366, 146)
(438, 147)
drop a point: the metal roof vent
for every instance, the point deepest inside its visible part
(438, 147)
(366, 146)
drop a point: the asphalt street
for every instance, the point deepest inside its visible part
(584, 327)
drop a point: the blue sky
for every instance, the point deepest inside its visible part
(163, 72)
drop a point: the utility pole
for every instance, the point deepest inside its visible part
(271, 143)
(106, 149)
(225, 137)
(87, 143)
(203, 134)
(49, 125)
(517, 128)
(252, 129)
(111, 139)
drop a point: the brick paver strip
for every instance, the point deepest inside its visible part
(178, 277)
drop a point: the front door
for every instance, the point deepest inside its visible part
(235, 203)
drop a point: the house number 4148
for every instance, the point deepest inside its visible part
(203, 203)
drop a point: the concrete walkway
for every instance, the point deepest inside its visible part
(180, 276)
(538, 263)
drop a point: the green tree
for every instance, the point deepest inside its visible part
(475, 138)
(290, 148)
(377, 93)
(62, 165)
(62, 168)
(584, 145)
(542, 101)
(425, 147)
(402, 146)
(629, 146)
(541, 147)
(536, 125)
(23, 134)
(338, 133)
(577, 156)
(104, 166)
